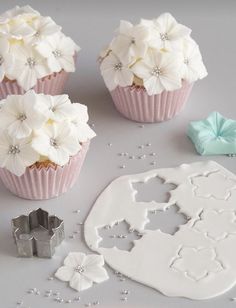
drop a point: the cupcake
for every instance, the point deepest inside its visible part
(43, 143)
(150, 68)
(34, 53)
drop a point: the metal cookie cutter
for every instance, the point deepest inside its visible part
(37, 234)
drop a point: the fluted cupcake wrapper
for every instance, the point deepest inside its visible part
(134, 103)
(52, 84)
(45, 182)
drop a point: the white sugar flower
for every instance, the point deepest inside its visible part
(4, 50)
(16, 29)
(79, 123)
(16, 154)
(43, 26)
(27, 66)
(59, 51)
(15, 23)
(115, 72)
(166, 32)
(57, 142)
(192, 64)
(82, 271)
(21, 114)
(59, 107)
(131, 42)
(159, 71)
(24, 11)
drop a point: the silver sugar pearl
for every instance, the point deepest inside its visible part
(57, 53)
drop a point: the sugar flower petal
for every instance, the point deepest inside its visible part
(116, 73)
(65, 273)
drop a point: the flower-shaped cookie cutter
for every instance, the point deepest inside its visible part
(37, 234)
(215, 135)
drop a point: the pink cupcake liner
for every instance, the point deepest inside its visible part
(134, 103)
(46, 182)
(53, 84)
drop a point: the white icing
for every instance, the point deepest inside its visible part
(199, 260)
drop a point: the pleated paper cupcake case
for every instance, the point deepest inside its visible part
(135, 104)
(47, 182)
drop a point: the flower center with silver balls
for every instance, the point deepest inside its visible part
(118, 66)
(22, 117)
(57, 53)
(31, 62)
(164, 36)
(79, 269)
(156, 71)
(53, 142)
(14, 149)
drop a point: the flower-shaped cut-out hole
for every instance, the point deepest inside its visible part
(197, 263)
(217, 225)
(215, 185)
(154, 189)
(119, 235)
(168, 221)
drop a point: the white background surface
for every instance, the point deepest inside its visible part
(91, 25)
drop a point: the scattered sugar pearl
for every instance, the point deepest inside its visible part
(131, 157)
(19, 303)
(96, 303)
(109, 144)
(122, 167)
(141, 146)
(141, 126)
(50, 278)
(69, 301)
(76, 211)
(153, 154)
(124, 299)
(142, 156)
(148, 144)
(31, 291)
(125, 292)
(153, 163)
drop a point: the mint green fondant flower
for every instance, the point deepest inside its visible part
(214, 135)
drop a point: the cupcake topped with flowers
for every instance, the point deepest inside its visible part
(33, 47)
(158, 55)
(38, 129)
